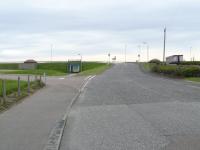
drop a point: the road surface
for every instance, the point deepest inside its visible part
(125, 109)
(27, 125)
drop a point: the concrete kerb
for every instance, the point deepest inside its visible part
(55, 137)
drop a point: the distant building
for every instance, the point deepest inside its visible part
(29, 64)
(174, 59)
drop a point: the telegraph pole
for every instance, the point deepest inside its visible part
(190, 53)
(125, 52)
(145, 43)
(51, 51)
(164, 48)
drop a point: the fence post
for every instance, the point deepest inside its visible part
(40, 79)
(28, 83)
(44, 78)
(35, 77)
(19, 87)
(4, 90)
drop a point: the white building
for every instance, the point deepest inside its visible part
(174, 59)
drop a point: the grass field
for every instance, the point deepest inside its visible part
(96, 70)
(11, 86)
(52, 69)
(11, 92)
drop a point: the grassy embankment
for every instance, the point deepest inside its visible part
(12, 89)
(188, 72)
(54, 69)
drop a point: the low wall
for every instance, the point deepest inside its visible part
(27, 66)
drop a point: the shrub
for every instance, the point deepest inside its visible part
(155, 61)
(177, 70)
(190, 63)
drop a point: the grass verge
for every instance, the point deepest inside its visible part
(34, 72)
(96, 70)
(193, 79)
(51, 69)
(12, 97)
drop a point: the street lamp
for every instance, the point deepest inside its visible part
(145, 43)
(81, 60)
(125, 52)
(51, 51)
(190, 53)
(139, 49)
(164, 46)
(138, 57)
(108, 58)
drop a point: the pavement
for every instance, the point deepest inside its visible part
(126, 109)
(27, 125)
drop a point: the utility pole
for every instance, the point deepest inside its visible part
(145, 43)
(81, 61)
(164, 48)
(190, 53)
(51, 51)
(125, 52)
(139, 49)
(109, 58)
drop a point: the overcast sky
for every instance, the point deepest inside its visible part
(95, 28)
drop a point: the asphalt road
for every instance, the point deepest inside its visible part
(27, 125)
(125, 109)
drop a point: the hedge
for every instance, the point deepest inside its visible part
(177, 70)
(190, 63)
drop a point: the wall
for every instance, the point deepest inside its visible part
(28, 66)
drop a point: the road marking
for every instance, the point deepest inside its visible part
(196, 87)
(56, 134)
(61, 78)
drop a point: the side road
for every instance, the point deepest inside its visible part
(27, 126)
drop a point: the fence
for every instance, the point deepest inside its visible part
(23, 85)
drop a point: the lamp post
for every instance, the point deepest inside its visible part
(145, 43)
(51, 51)
(108, 58)
(81, 60)
(139, 49)
(164, 46)
(190, 53)
(125, 52)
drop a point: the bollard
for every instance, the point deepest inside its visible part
(18, 86)
(4, 89)
(28, 83)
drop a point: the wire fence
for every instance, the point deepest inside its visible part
(15, 87)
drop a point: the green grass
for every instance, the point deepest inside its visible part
(10, 66)
(11, 86)
(51, 69)
(96, 70)
(33, 72)
(193, 79)
(12, 97)
(146, 66)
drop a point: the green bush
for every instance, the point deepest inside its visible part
(155, 61)
(177, 70)
(190, 63)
